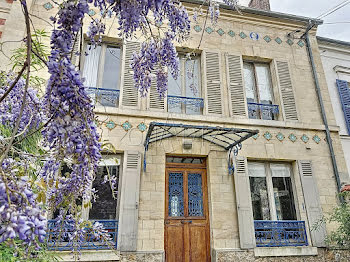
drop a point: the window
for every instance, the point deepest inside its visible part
(184, 93)
(271, 191)
(258, 88)
(102, 73)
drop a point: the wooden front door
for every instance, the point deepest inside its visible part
(187, 236)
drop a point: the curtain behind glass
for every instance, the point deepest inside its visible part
(192, 83)
(91, 65)
(249, 82)
(111, 69)
(264, 83)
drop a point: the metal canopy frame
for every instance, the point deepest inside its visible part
(228, 138)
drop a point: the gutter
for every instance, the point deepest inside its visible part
(305, 36)
(270, 14)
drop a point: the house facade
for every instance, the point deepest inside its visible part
(335, 57)
(233, 164)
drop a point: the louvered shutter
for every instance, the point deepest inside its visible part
(244, 204)
(235, 83)
(129, 201)
(129, 94)
(344, 94)
(155, 102)
(312, 202)
(288, 100)
(76, 50)
(213, 83)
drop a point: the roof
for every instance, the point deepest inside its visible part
(271, 14)
(333, 41)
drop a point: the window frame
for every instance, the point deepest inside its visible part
(253, 63)
(270, 190)
(182, 74)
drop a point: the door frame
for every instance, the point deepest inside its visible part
(188, 167)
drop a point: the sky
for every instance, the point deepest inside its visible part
(314, 8)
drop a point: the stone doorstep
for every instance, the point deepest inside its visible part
(285, 251)
(90, 256)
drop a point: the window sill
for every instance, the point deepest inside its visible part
(285, 251)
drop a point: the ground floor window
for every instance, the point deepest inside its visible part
(271, 191)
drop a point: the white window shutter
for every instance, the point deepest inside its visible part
(76, 50)
(213, 83)
(155, 102)
(312, 202)
(288, 99)
(244, 204)
(129, 94)
(129, 201)
(235, 83)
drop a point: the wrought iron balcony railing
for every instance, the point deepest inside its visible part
(189, 101)
(105, 97)
(280, 233)
(263, 111)
(58, 235)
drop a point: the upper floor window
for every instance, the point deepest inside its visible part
(271, 191)
(184, 93)
(102, 73)
(258, 88)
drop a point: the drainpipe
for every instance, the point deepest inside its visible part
(305, 36)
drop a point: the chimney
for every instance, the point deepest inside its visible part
(260, 4)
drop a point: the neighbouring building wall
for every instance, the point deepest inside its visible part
(335, 57)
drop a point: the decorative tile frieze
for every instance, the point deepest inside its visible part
(142, 127)
(267, 39)
(290, 42)
(301, 43)
(48, 6)
(126, 126)
(231, 33)
(304, 138)
(197, 28)
(111, 125)
(255, 136)
(242, 35)
(292, 137)
(92, 12)
(268, 136)
(317, 139)
(280, 136)
(278, 40)
(220, 32)
(209, 30)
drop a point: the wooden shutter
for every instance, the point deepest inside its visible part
(244, 204)
(312, 202)
(344, 94)
(76, 50)
(212, 71)
(288, 100)
(129, 94)
(129, 201)
(155, 102)
(235, 83)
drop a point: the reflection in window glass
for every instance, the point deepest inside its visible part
(111, 70)
(174, 89)
(249, 83)
(105, 206)
(192, 83)
(92, 60)
(264, 83)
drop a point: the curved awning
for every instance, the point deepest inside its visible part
(224, 137)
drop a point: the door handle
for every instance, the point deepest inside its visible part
(186, 222)
(166, 222)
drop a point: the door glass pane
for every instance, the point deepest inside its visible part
(105, 205)
(91, 65)
(176, 194)
(258, 189)
(195, 195)
(192, 83)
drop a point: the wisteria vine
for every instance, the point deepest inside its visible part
(64, 115)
